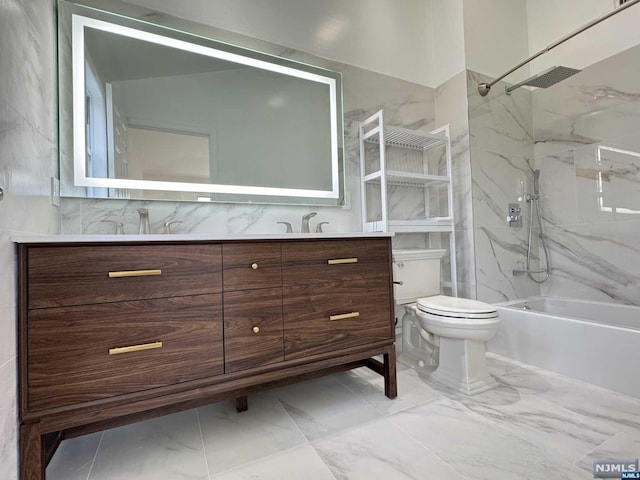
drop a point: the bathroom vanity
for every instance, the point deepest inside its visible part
(113, 330)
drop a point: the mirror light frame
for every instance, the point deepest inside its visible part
(80, 22)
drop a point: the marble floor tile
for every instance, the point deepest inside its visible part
(412, 390)
(478, 448)
(298, 463)
(534, 425)
(325, 406)
(74, 458)
(381, 451)
(232, 439)
(546, 424)
(623, 446)
(620, 411)
(499, 365)
(163, 448)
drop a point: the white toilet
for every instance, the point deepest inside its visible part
(459, 327)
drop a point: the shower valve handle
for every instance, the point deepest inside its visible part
(513, 215)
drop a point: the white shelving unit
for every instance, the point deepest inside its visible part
(393, 159)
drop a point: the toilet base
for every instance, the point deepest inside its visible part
(463, 366)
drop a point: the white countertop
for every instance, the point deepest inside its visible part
(188, 237)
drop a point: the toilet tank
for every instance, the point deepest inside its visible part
(419, 272)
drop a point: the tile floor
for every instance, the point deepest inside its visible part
(535, 425)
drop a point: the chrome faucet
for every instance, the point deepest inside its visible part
(305, 222)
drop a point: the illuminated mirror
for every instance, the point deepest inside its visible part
(161, 114)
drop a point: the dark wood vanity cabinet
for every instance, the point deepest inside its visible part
(115, 332)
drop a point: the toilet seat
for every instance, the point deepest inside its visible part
(456, 308)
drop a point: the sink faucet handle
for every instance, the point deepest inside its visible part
(319, 226)
(288, 225)
(167, 225)
(118, 224)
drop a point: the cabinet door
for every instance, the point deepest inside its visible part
(252, 328)
(326, 317)
(83, 353)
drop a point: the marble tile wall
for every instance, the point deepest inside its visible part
(405, 104)
(501, 149)
(28, 160)
(588, 151)
(581, 134)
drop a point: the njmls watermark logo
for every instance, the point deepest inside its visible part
(610, 468)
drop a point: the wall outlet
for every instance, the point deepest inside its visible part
(55, 192)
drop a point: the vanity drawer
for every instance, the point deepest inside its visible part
(326, 317)
(61, 276)
(252, 328)
(77, 354)
(334, 260)
(251, 265)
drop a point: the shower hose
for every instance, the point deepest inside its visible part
(534, 200)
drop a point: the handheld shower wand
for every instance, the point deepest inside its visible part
(532, 199)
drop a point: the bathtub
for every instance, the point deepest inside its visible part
(593, 341)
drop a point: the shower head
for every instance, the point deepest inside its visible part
(545, 79)
(554, 74)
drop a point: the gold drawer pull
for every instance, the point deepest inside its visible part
(134, 273)
(256, 329)
(339, 261)
(135, 348)
(342, 316)
(254, 266)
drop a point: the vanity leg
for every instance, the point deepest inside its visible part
(390, 381)
(31, 459)
(242, 404)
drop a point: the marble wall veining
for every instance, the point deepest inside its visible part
(28, 160)
(501, 146)
(588, 151)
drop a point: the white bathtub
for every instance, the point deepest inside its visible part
(593, 341)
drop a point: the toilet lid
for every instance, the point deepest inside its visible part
(453, 306)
